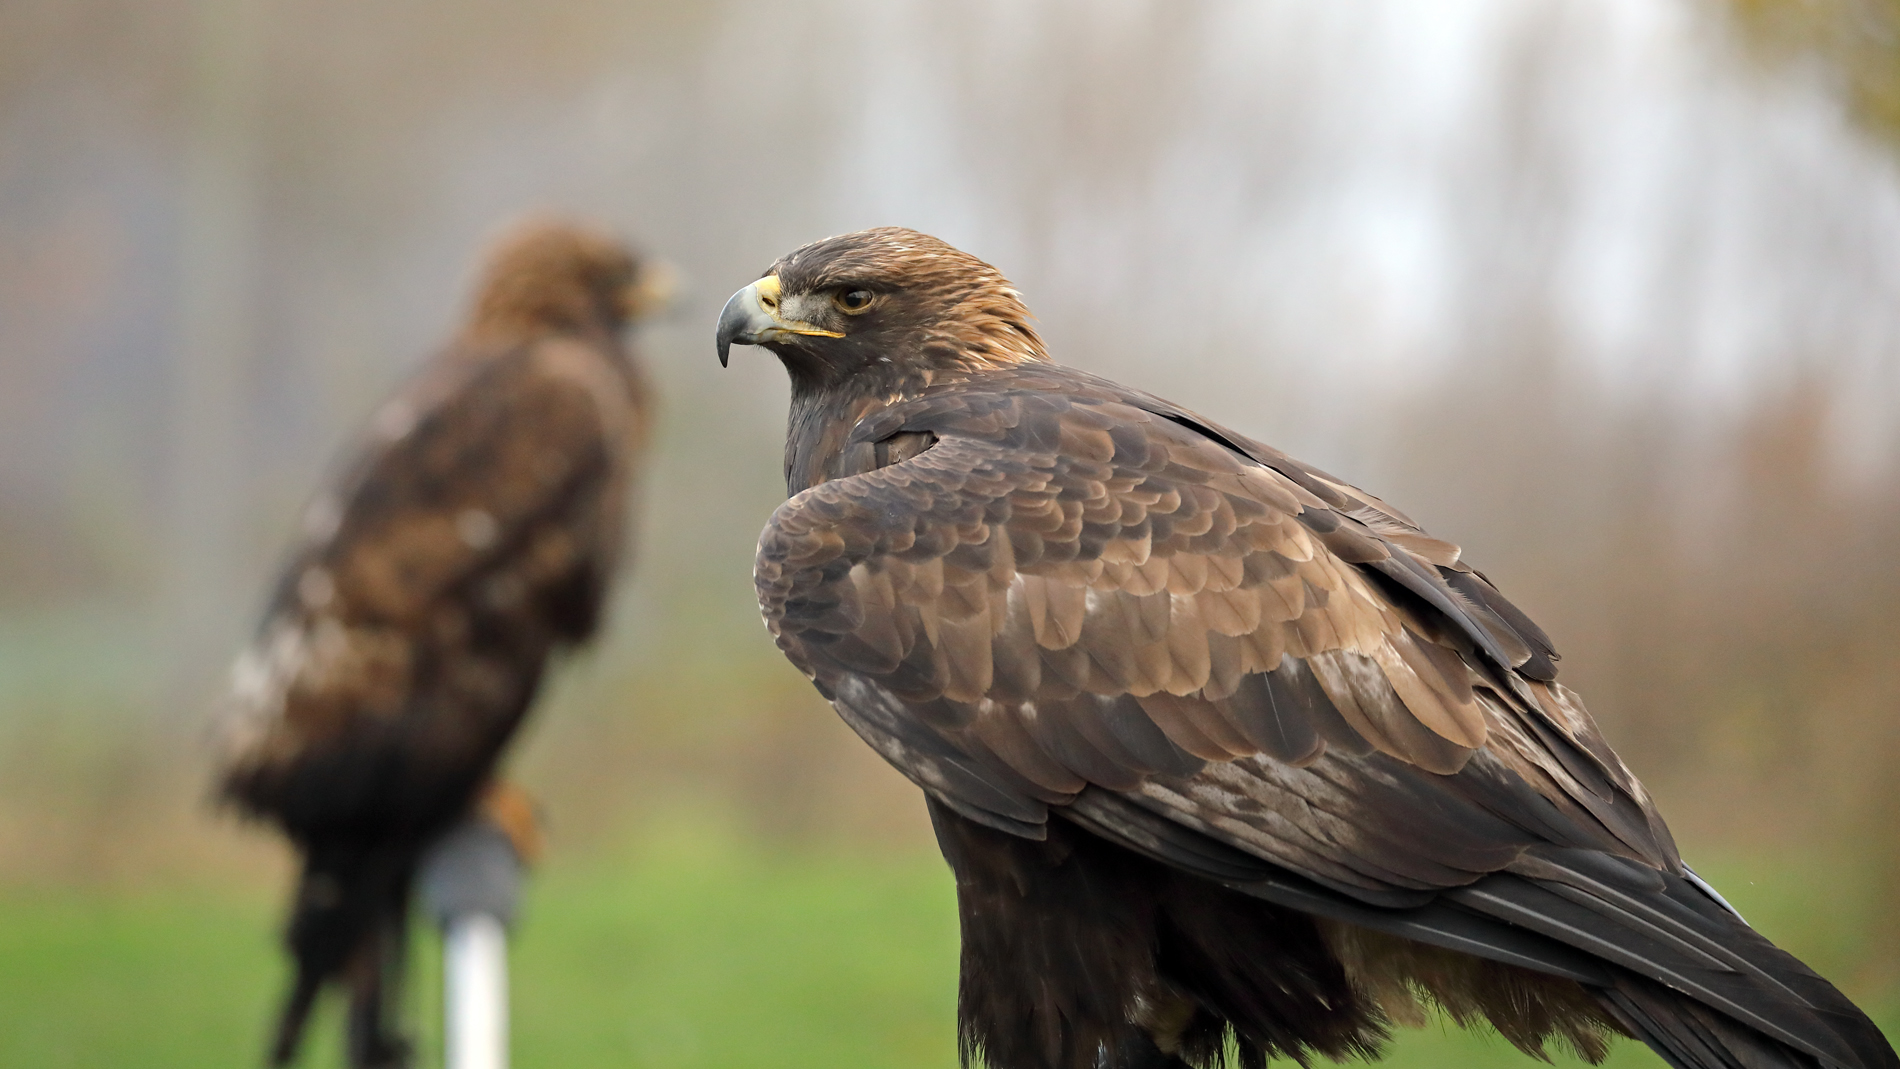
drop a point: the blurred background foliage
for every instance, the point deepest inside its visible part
(1856, 43)
(1602, 289)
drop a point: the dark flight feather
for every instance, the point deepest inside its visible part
(1249, 694)
(475, 531)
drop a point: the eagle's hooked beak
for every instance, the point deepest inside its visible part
(751, 317)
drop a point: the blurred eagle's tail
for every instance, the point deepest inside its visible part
(348, 923)
(290, 1020)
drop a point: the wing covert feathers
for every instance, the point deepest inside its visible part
(1096, 591)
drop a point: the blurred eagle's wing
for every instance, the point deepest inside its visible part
(478, 526)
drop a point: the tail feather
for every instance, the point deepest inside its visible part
(1688, 1035)
(346, 924)
(1668, 961)
(292, 1018)
(375, 979)
(1741, 989)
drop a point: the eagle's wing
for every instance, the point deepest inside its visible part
(476, 528)
(1105, 607)
(1057, 573)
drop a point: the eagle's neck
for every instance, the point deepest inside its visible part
(823, 413)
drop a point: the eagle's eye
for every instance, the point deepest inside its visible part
(851, 302)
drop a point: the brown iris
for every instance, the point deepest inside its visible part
(851, 302)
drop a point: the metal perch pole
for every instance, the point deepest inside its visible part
(471, 885)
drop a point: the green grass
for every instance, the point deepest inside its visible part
(689, 951)
(694, 953)
(685, 951)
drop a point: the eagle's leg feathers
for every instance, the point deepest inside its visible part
(348, 924)
(375, 979)
(1078, 954)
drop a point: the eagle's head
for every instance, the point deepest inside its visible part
(547, 274)
(882, 297)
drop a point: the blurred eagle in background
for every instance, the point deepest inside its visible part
(1221, 749)
(476, 530)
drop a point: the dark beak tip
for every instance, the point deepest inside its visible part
(732, 326)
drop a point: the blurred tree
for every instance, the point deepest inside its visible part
(1860, 39)
(216, 299)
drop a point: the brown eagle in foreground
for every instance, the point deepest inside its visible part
(1219, 748)
(475, 531)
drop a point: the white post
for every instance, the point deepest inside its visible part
(475, 997)
(471, 882)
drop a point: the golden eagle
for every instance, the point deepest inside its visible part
(475, 531)
(1219, 748)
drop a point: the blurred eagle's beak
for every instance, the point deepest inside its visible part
(653, 290)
